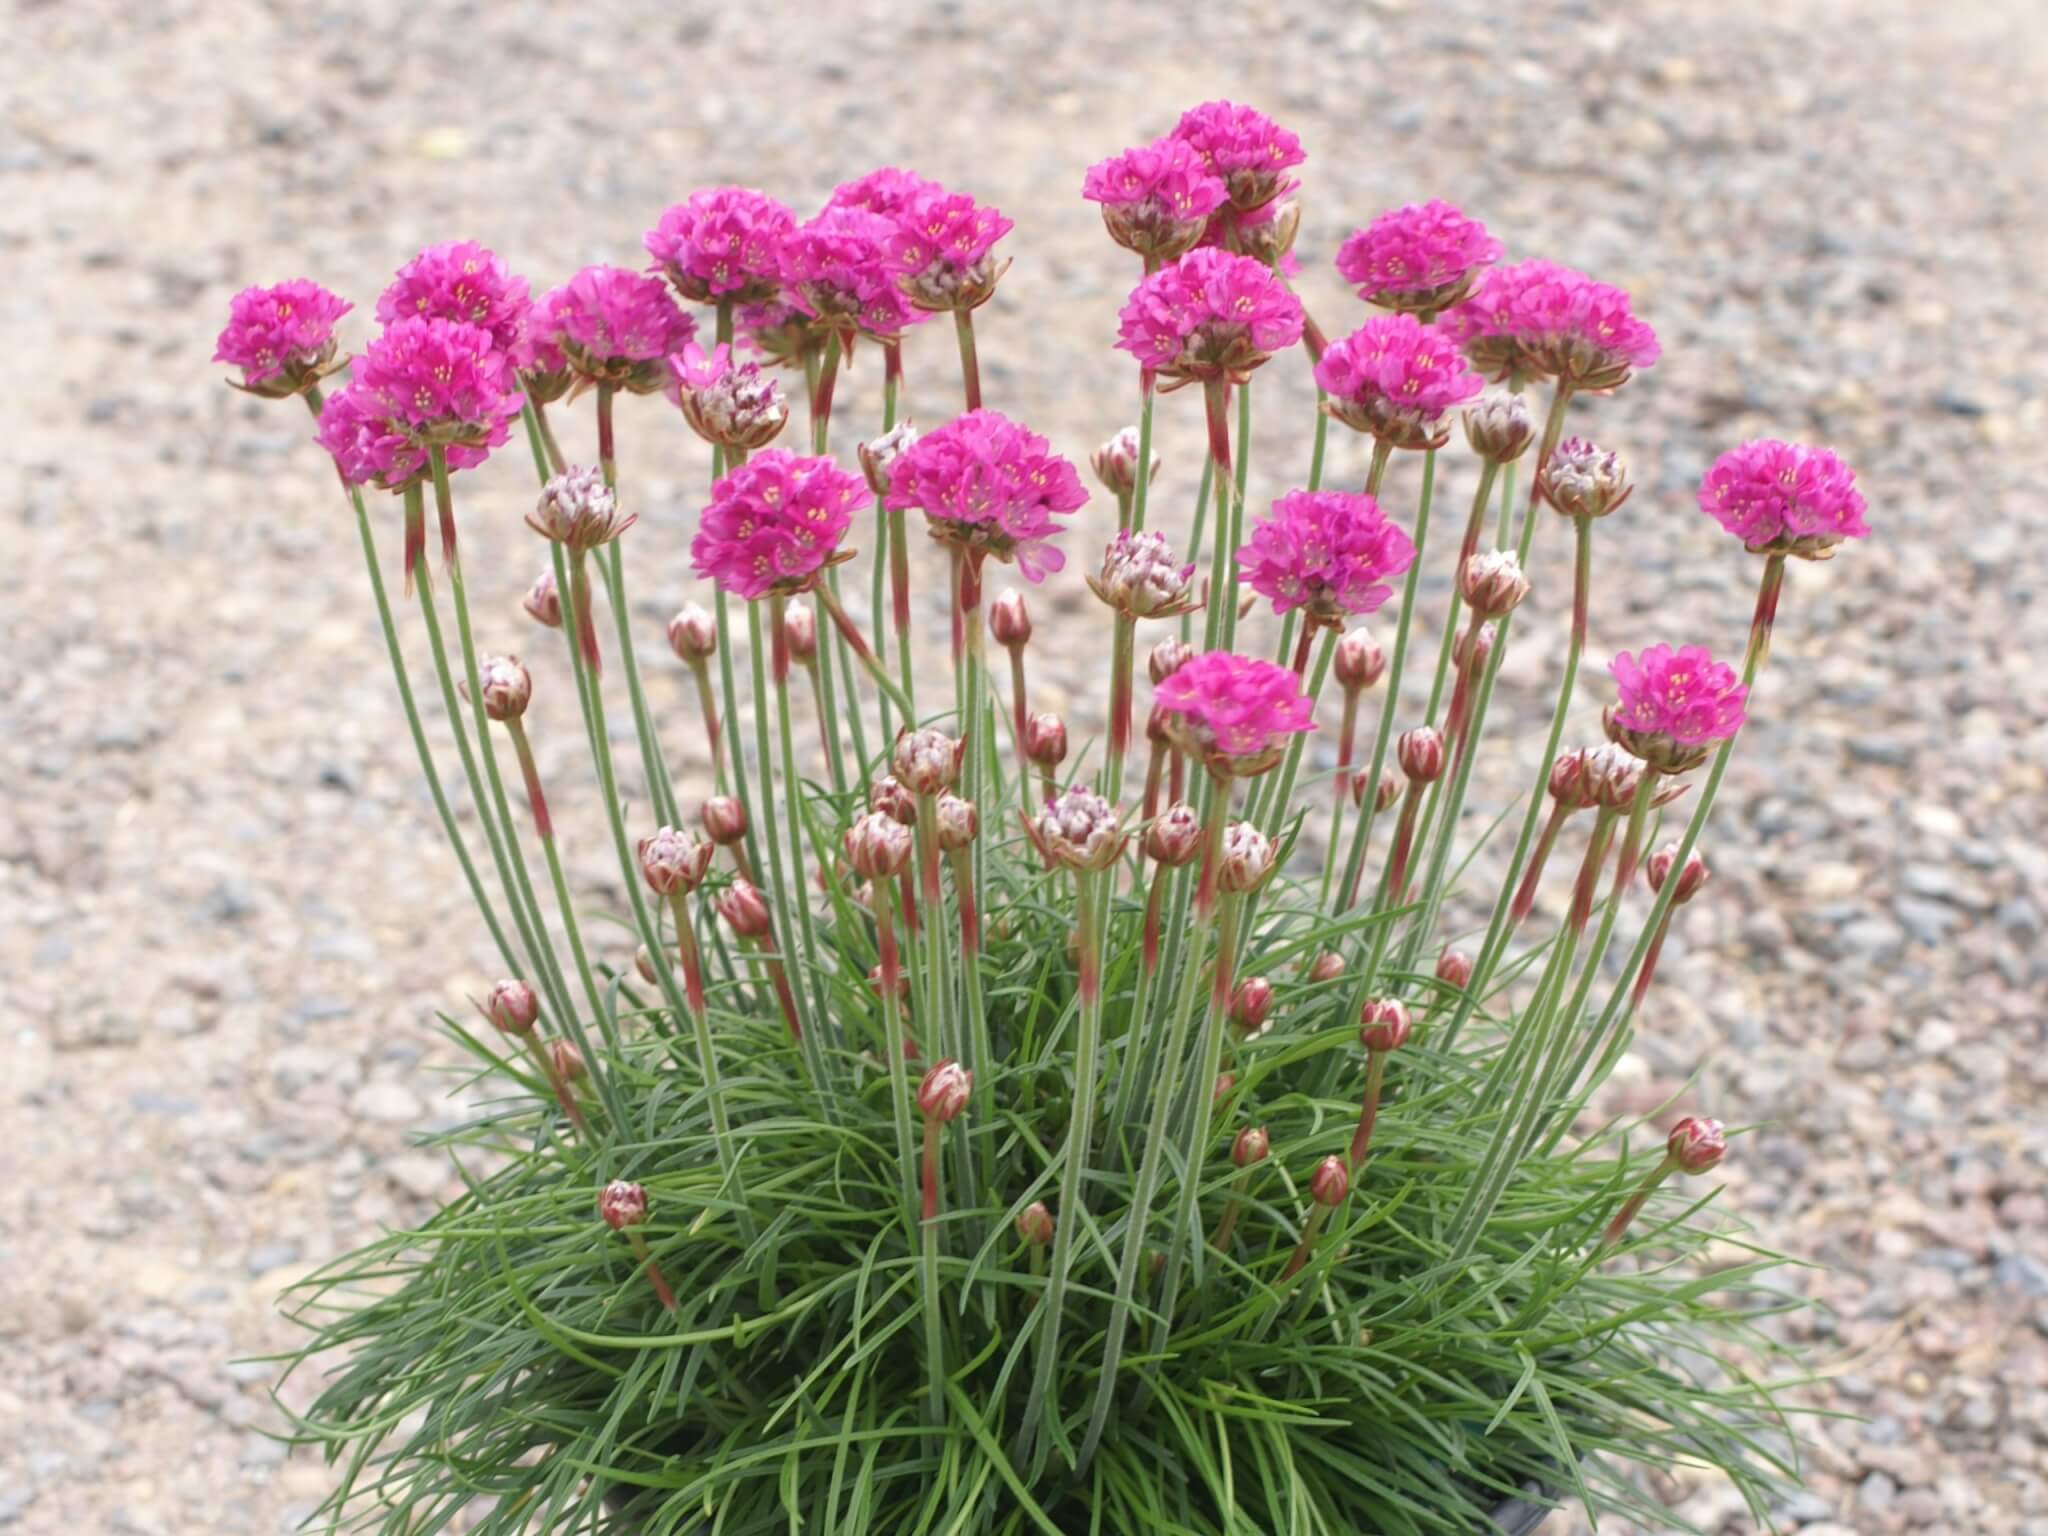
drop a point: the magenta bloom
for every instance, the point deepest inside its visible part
(729, 403)
(722, 243)
(990, 486)
(774, 523)
(1784, 498)
(888, 191)
(1157, 198)
(281, 337)
(1395, 377)
(615, 327)
(1245, 148)
(1233, 712)
(439, 381)
(836, 268)
(778, 331)
(1536, 317)
(1673, 705)
(941, 250)
(371, 449)
(1331, 552)
(460, 280)
(1418, 258)
(1210, 315)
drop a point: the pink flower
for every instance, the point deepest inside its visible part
(439, 381)
(1210, 315)
(1246, 148)
(888, 191)
(371, 449)
(1536, 317)
(1421, 257)
(774, 523)
(460, 280)
(281, 337)
(1233, 712)
(733, 405)
(1395, 377)
(722, 243)
(990, 485)
(615, 327)
(836, 269)
(1156, 199)
(1266, 234)
(1673, 704)
(1331, 552)
(1784, 498)
(941, 250)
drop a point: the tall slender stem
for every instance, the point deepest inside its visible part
(970, 364)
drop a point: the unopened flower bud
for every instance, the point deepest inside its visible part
(958, 822)
(1142, 578)
(1251, 1005)
(1609, 776)
(744, 910)
(578, 510)
(728, 403)
(1359, 662)
(622, 1205)
(567, 1061)
(543, 603)
(1389, 791)
(1034, 1224)
(1247, 858)
(1167, 658)
(878, 455)
(877, 846)
(643, 962)
(800, 633)
(1009, 620)
(1421, 753)
(926, 761)
(1116, 463)
(1225, 1082)
(1568, 779)
(693, 634)
(1078, 830)
(673, 861)
(511, 1007)
(1326, 967)
(893, 800)
(1045, 739)
(1155, 727)
(1330, 1183)
(1251, 1146)
(725, 820)
(1499, 428)
(506, 687)
(1175, 836)
(1690, 878)
(1493, 583)
(1383, 1024)
(1454, 968)
(1697, 1144)
(1580, 479)
(946, 1088)
(1268, 237)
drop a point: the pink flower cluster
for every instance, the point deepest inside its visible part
(1246, 149)
(988, 484)
(722, 244)
(281, 337)
(1331, 552)
(1784, 498)
(1539, 318)
(1673, 704)
(836, 269)
(420, 383)
(729, 403)
(774, 523)
(460, 280)
(1156, 198)
(614, 327)
(1210, 315)
(1395, 377)
(1419, 258)
(889, 191)
(941, 249)
(1234, 712)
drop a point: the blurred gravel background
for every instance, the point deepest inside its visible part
(225, 914)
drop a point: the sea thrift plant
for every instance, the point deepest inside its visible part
(1005, 1098)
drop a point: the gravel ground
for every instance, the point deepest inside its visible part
(225, 914)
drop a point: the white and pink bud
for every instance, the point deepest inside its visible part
(1421, 754)
(674, 863)
(566, 1061)
(1493, 583)
(946, 1088)
(958, 822)
(1142, 578)
(1078, 830)
(622, 1205)
(878, 455)
(1384, 1024)
(1116, 463)
(1034, 1224)
(511, 1007)
(1252, 1145)
(1009, 621)
(1389, 791)
(1175, 835)
(1330, 1183)
(578, 510)
(877, 846)
(1454, 969)
(1325, 968)
(1690, 878)
(1247, 858)
(725, 820)
(1167, 658)
(693, 634)
(1359, 661)
(643, 963)
(1696, 1144)
(1251, 1005)
(927, 761)
(1499, 427)
(1226, 1083)
(506, 687)
(800, 633)
(1609, 776)
(744, 910)
(893, 800)
(1581, 479)
(543, 603)
(1045, 740)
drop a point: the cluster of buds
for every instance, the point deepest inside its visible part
(1175, 836)
(729, 404)
(877, 846)
(1079, 830)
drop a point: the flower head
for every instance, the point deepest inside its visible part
(1246, 149)
(1167, 658)
(1175, 835)
(945, 1091)
(622, 1205)
(837, 270)
(1691, 875)
(615, 327)
(1141, 578)
(674, 863)
(989, 485)
(511, 1007)
(1538, 318)
(1419, 258)
(1582, 479)
(888, 191)
(1499, 427)
(1331, 552)
(780, 332)
(941, 250)
(542, 602)
(1383, 1024)
(1247, 858)
(281, 337)
(774, 523)
(1395, 377)
(420, 384)
(926, 760)
(887, 795)
(1784, 499)
(1673, 705)
(1079, 830)
(1210, 315)
(729, 404)
(1116, 463)
(1696, 1144)
(878, 455)
(1330, 1183)
(460, 280)
(1493, 583)
(578, 510)
(1234, 712)
(958, 822)
(1156, 198)
(506, 685)
(877, 846)
(722, 244)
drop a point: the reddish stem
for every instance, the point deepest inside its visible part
(1301, 648)
(1347, 736)
(908, 888)
(1404, 835)
(778, 644)
(1589, 871)
(1635, 997)
(708, 706)
(1369, 1109)
(579, 599)
(530, 770)
(1634, 1204)
(1155, 765)
(655, 1278)
(1525, 894)
(1153, 903)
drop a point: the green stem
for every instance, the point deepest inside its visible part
(1221, 588)
(1141, 490)
(970, 365)
(792, 895)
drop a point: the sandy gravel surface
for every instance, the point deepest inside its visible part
(225, 915)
